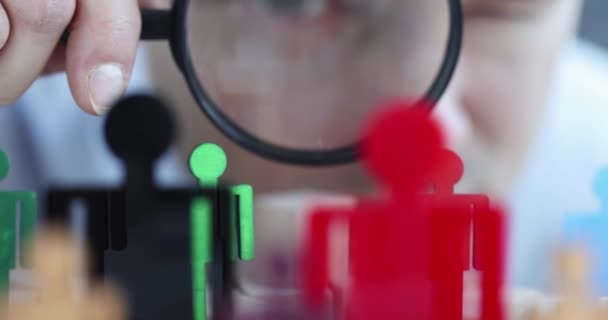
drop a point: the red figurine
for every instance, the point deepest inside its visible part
(454, 218)
(386, 274)
(405, 253)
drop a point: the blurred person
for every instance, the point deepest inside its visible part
(523, 109)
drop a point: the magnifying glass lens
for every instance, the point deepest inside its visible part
(304, 74)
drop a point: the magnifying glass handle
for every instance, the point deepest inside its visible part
(156, 25)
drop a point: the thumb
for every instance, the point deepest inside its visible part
(101, 52)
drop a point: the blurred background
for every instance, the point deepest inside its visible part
(594, 23)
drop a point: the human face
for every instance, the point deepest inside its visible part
(499, 93)
(305, 73)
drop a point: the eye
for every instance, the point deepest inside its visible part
(296, 7)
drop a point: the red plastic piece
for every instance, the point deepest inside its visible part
(388, 245)
(408, 250)
(455, 217)
(489, 258)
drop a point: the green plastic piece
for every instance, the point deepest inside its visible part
(9, 202)
(4, 165)
(244, 195)
(8, 236)
(201, 254)
(207, 163)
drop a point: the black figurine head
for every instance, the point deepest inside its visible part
(139, 127)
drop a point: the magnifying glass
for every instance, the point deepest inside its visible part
(294, 80)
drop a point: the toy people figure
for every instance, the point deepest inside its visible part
(55, 263)
(589, 228)
(387, 272)
(208, 163)
(139, 142)
(453, 217)
(403, 149)
(574, 291)
(10, 203)
(138, 130)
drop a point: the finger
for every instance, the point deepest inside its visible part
(4, 26)
(56, 62)
(101, 51)
(35, 28)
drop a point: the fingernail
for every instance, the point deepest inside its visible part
(106, 84)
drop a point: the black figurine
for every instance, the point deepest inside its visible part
(111, 210)
(138, 130)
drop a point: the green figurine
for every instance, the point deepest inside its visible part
(10, 202)
(208, 163)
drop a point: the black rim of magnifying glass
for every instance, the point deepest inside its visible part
(336, 156)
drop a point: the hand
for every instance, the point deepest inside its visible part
(98, 57)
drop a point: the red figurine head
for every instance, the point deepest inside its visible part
(401, 145)
(447, 173)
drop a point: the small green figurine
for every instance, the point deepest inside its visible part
(10, 202)
(208, 163)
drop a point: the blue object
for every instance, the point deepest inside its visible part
(591, 230)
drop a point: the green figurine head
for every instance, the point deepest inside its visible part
(208, 163)
(4, 165)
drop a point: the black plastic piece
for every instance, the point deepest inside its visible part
(106, 225)
(223, 279)
(155, 25)
(138, 130)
